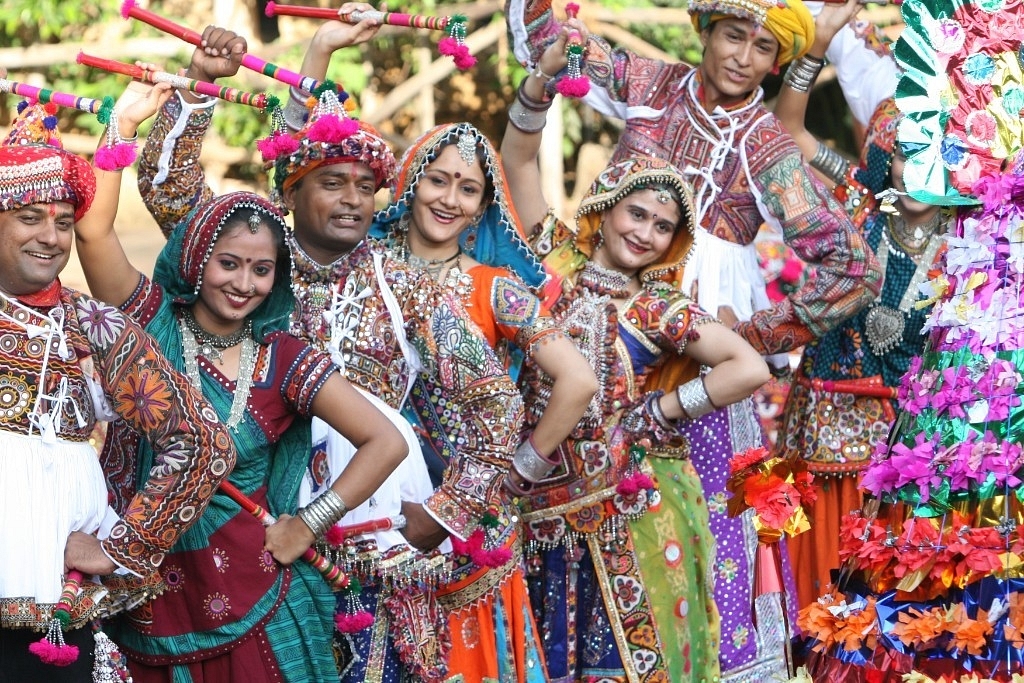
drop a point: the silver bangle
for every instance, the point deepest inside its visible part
(526, 120)
(323, 512)
(831, 163)
(295, 111)
(530, 464)
(802, 73)
(539, 73)
(693, 399)
(657, 414)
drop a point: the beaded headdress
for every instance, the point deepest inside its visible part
(497, 239)
(329, 136)
(35, 169)
(788, 20)
(621, 179)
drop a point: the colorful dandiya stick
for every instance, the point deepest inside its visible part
(63, 99)
(574, 83)
(51, 648)
(130, 10)
(336, 578)
(388, 18)
(258, 100)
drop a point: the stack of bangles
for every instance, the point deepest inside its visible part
(527, 114)
(831, 163)
(323, 512)
(802, 73)
(531, 466)
(693, 399)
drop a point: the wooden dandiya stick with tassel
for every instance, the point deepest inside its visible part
(336, 578)
(129, 10)
(51, 648)
(260, 101)
(387, 18)
(62, 99)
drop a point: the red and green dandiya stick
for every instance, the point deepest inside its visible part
(258, 100)
(63, 99)
(130, 10)
(336, 578)
(389, 18)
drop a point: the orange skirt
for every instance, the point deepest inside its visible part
(815, 552)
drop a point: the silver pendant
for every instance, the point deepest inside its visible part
(884, 328)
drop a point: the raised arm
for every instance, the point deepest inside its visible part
(330, 37)
(521, 144)
(109, 273)
(171, 179)
(791, 106)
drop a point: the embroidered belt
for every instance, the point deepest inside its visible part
(94, 601)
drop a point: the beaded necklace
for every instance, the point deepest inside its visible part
(246, 366)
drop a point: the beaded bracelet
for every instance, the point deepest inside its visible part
(539, 73)
(323, 512)
(802, 73)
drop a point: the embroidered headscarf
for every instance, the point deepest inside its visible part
(618, 181)
(329, 136)
(788, 20)
(179, 267)
(35, 169)
(497, 239)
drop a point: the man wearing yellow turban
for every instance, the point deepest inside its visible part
(710, 121)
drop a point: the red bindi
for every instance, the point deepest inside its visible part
(458, 175)
(52, 208)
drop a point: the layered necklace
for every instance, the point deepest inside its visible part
(446, 271)
(884, 326)
(196, 341)
(210, 344)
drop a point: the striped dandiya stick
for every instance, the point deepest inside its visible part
(130, 10)
(336, 578)
(258, 100)
(63, 99)
(388, 18)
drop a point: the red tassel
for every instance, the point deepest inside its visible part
(332, 129)
(121, 155)
(58, 654)
(573, 87)
(277, 145)
(353, 623)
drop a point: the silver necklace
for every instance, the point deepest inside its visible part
(883, 325)
(210, 344)
(246, 366)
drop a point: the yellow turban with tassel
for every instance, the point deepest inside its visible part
(788, 20)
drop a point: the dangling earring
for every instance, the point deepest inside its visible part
(469, 234)
(775, 70)
(598, 238)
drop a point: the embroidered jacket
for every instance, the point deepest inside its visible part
(745, 170)
(482, 407)
(108, 352)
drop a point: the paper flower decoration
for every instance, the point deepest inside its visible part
(962, 93)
